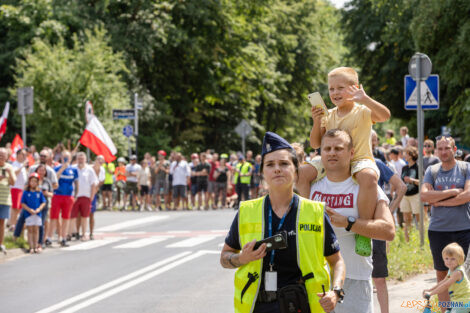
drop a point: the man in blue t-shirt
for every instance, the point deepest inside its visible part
(447, 188)
(62, 200)
(379, 251)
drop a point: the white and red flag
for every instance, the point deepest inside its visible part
(97, 139)
(3, 120)
(16, 145)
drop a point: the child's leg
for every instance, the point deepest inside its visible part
(367, 198)
(30, 238)
(35, 236)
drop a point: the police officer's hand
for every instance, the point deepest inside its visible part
(328, 300)
(248, 254)
(336, 219)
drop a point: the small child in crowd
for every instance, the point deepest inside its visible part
(355, 112)
(456, 280)
(32, 202)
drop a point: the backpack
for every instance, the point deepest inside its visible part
(462, 165)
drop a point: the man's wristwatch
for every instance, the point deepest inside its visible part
(340, 293)
(351, 221)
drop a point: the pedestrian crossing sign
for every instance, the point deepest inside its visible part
(429, 93)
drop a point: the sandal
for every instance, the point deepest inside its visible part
(31, 251)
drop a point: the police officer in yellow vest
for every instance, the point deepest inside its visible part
(242, 178)
(268, 282)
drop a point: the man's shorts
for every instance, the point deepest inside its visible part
(4, 212)
(193, 189)
(410, 204)
(202, 186)
(379, 259)
(107, 187)
(179, 191)
(161, 187)
(82, 205)
(94, 204)
(60, 204)
(16, 198)
(33, 220)
(356, 167)
(439, 239)
(131, 187)
(144, 190)
(212, 186)
(357, 297)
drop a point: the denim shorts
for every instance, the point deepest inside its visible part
(4, 211)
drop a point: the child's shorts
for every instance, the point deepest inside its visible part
(356, 167)
(33, 220)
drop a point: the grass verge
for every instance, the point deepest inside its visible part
(11, 244)
(407, 259)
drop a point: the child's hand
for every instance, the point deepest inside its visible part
(317, 114)
(356, 94)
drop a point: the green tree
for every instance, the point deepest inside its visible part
(63, 79)
(442, 31)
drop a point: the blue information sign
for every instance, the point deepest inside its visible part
(429, 93)
(128, 130)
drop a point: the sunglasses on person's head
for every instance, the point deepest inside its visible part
(443, 136)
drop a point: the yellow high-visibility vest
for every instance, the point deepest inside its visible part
(244, 169)
(310, 258)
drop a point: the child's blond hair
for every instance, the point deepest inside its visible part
(347, 73)
(454, 250)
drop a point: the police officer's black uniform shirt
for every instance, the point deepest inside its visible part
(285, 261)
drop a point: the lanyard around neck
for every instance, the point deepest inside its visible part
(270, 225)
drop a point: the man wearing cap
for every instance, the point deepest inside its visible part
(338, 190)
(120, 174)
(162, 168)
(132, 173)
(397, 162)
(242, 179)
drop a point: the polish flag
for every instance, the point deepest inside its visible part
(3, 120)
(16, 145)
(97, 139)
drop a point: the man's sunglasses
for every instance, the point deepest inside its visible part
(443, 136)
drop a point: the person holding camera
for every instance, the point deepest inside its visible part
(295, 277)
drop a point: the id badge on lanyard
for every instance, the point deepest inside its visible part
(270, 276)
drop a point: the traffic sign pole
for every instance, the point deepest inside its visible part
(420, 148)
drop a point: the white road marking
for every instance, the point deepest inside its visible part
(133, 232)
(191, 242)
(92, 244)
(133, 223)
(179, 232)
(136, 281)
(113, 283)
(141, 243)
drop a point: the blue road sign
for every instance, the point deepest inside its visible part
(128, 130)
(429, 93)
(119, 114)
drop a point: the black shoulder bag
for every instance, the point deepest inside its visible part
(294, 298)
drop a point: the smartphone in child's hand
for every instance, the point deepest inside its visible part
(317, 101)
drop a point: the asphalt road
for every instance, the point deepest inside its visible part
(139, 262)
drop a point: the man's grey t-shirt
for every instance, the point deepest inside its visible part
(452, 218)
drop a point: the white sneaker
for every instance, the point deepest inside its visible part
(3, 249)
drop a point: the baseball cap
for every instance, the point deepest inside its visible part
(121, 160)
(162, 152)
(133, 157)
(224, 156)
(194, 156)
(34, 175)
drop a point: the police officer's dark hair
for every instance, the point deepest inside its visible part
(293, 157)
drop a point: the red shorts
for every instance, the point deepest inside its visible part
(61, 204)
(82, 205)
(16, 198)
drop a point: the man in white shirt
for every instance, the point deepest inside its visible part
(397, 162)
(87, 187)
(340, 191)
(181, 173)
(132, 174)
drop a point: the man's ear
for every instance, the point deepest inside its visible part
(352, 152)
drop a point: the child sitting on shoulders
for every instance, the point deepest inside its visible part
(32, 202)
(355, 112)
(456, 280)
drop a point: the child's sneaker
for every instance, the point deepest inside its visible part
(3, 249)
